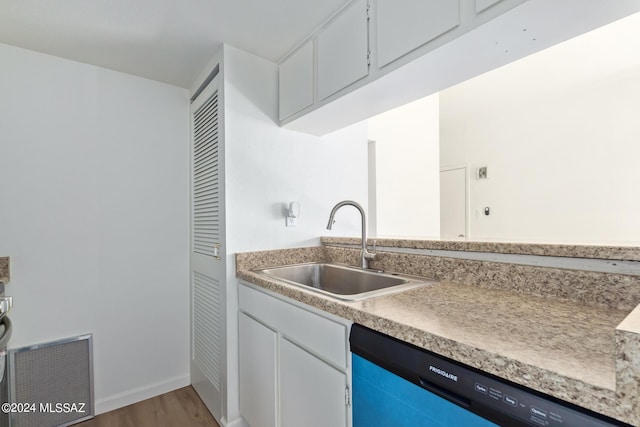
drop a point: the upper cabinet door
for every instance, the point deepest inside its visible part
(485, 4)
(296, 81)
(343, 48)
(407, 25)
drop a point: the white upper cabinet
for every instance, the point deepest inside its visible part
(405, 26)
(485, 4)
(388, 42)
(343, 47)
(296, 81)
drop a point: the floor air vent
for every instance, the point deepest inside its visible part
(55, 381)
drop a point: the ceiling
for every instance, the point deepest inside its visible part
(166, 40)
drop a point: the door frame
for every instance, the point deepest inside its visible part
(213, 396)
(372, 189)
(467, 195)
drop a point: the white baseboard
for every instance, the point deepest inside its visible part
(136, 395)
(238, 422)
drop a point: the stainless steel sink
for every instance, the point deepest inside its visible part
(343, 282)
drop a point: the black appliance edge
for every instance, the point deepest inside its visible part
(493, 398)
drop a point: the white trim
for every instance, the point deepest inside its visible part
(211, 64)
(126, 398)
(372, 189)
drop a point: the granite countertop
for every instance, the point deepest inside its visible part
(533, 330)
(4, 269)
(562, 348)
(542, 249)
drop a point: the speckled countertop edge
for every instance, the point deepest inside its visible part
(272, 258)
(631, 253)
(628, 367)
(4, 269)
(621, 404)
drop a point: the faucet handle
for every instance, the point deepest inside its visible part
(369, 256)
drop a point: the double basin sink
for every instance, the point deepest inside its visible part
(343, 282)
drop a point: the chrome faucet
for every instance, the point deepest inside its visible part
(365, 256)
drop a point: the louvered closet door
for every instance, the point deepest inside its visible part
(208, 272)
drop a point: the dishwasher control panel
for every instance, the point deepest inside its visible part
(465, 386)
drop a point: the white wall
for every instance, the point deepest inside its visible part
(559, 134)
(407, 180)
(94, 212)
(266, 168)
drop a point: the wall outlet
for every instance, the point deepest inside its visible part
(482, 172)
(291, 221)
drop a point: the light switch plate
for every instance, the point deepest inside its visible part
(482, 172)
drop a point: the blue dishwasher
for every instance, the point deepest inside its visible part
(396, 384)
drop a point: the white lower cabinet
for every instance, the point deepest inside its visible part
(257, 355)
(312, 392)
(295, 367)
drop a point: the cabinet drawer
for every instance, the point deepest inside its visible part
(323, 337)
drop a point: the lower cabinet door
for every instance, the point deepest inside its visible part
(312, 393)
(258, 384)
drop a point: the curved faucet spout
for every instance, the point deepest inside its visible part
(365, 256)
(346, 203)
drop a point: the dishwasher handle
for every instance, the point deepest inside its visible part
(444, 393)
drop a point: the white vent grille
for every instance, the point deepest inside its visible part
(206, 326)
(57, 377)
(206, 189)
